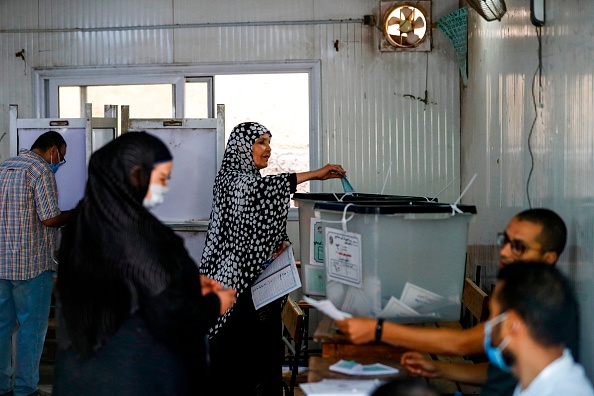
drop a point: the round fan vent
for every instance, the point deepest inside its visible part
(405, 26)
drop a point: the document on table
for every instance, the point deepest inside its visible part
(330, 387)
(326, 307)
(278, 279)
(351, 367)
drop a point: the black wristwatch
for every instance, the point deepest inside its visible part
(379, 329)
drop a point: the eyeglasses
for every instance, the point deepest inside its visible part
(61, 161)
(518, 248)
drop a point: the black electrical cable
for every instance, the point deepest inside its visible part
(539, 72)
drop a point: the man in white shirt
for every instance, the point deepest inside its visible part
(533, 316)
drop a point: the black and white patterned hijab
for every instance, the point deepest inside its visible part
(248, 218)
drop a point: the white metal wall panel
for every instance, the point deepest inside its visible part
(366, 122)
(88, 14)
(189, 11)
(244, 44)
(498, 113)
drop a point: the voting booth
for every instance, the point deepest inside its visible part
(197, 146)
(82, 135)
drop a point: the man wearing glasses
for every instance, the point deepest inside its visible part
(29, 215)
(532, 235)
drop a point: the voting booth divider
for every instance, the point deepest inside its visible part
(197, 146)
(83, 136)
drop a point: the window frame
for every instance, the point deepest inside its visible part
(47, 82)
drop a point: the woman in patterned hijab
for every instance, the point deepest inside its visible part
(247, 226)
(135, 308)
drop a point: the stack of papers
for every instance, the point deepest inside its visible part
(351, 367)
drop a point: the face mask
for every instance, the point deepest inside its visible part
(54, 167)
(495, 354)
(157, 196)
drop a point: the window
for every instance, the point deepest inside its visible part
(278, 101)
(283, 97)
(146, 101)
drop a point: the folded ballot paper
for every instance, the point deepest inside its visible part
(326, 307)
(351, 367)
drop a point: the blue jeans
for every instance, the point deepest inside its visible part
(27, 301)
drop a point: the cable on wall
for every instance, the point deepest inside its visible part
(538, 72)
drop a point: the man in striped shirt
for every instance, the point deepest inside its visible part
(29, 216)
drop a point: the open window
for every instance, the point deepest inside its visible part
(284, 97)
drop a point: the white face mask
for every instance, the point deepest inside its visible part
(157, 196)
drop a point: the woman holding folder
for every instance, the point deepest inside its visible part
(247, 227)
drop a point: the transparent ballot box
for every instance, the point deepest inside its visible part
(311, 254)
(402, 262)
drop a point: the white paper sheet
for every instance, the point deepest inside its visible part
(278, 279)
(417, 298)
(356, 302)
(343, 257)
(397, 309)
(327, 308)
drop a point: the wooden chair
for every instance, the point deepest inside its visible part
(476, 304)
(293, 319)
(475, 309)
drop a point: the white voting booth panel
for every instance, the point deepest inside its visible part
(82, 136)
(197, 147)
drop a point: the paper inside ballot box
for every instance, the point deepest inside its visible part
(415, 303)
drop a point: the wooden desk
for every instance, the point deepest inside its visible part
(336, 346)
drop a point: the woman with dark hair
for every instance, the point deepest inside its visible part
(135, 309)
(247, 226)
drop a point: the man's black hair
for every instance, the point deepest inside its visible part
(544, 299)
(47, 140)
(554, 232)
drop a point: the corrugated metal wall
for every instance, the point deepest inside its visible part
(366, 122)
(498, 114)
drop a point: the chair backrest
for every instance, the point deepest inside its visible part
(292, 317)
(475, 300)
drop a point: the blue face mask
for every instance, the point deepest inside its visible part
(495, 354)
(55, 167)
